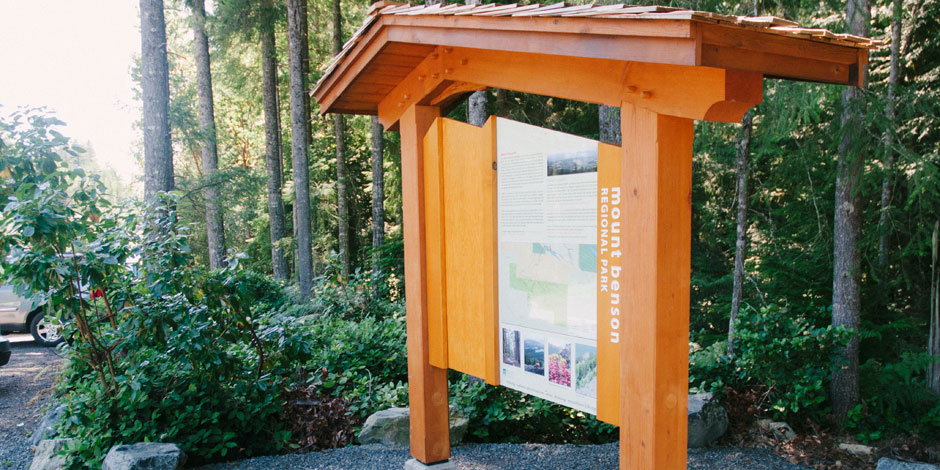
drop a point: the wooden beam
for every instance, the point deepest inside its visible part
(757, 42)
(669, 50)
(657, 181)
(774, 65)
(427, 385)
(572, 25)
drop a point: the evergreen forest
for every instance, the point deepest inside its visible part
(263, 264)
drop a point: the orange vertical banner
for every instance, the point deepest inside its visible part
(609, 282)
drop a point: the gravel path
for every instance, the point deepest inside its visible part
(25, 384)
(505, 456)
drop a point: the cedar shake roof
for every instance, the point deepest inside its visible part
(395, 38)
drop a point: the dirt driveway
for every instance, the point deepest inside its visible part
(25, 387)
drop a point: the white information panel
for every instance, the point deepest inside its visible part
(547, 263)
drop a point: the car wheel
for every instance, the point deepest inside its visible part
(45, 331)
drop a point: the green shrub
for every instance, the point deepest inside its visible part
(777, 352)
(896, 401)
(203, 368)
(786, 355)
(363, 360)
(709, 368)
(159, 350)
(499, 414)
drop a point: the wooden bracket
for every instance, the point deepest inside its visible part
(425, 80)
(702, 93)
(692, 92)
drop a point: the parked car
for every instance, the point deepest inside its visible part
(21, 315)
(4, 351)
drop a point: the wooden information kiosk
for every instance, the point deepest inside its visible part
(664, 68)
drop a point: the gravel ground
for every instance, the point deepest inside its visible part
(506, 456)
(25, 386)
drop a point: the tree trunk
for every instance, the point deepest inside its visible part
(887, 186)
(476, 108)
(339, 132)
(476, 104)
(298, 95)
(272, 141)
(608, 118)
(210, 156)
(305, 63)
(342, 210)
(155, 88)
(933, 341)
(378, 199)
(846, 305)
(742, 168)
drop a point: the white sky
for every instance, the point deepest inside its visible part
(75, 57)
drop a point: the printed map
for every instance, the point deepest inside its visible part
(551, 286)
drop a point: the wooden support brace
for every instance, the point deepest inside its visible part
(686, 91)
(427, 385)
(654, 374)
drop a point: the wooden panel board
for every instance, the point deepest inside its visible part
(470, 247)
(657, 179)
(434, 228)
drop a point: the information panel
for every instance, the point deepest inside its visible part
(547, 263)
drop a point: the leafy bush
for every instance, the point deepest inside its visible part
(158, 349)
(789, 357)
(896, 401)
(363, 360)
(499, 414)
(709, 368)
(777, 352)
(191, 361)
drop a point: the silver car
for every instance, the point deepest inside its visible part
(21, 315)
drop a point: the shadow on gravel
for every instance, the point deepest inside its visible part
(507, 457)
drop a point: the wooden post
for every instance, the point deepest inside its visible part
(657, 184)
(427, 385)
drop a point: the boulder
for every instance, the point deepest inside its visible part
(388, 427)
(857, 449)
(781, 430)
(144, 456)
(391, 427)
(933, 453)
(708, 420)
(885, 463)
(46, 428)
(458, 425)
(47, 455)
